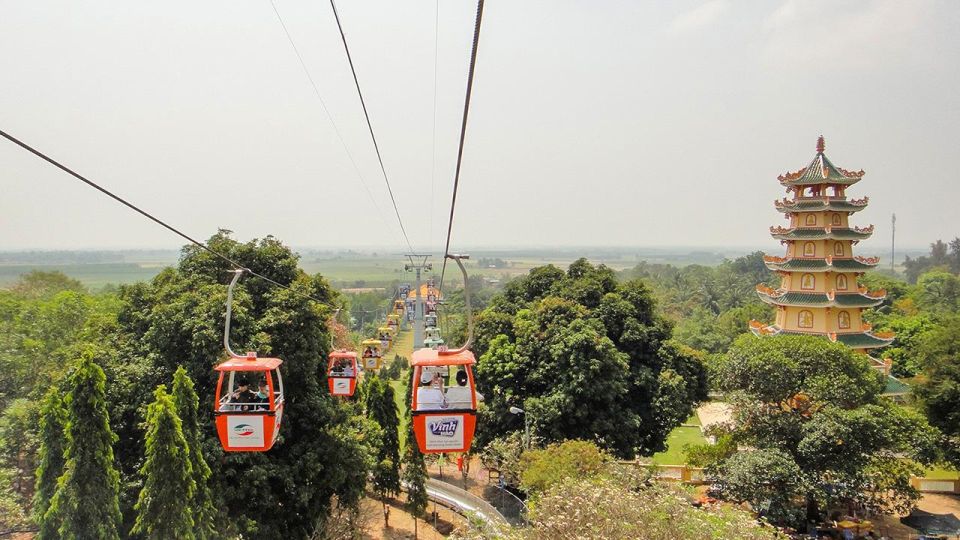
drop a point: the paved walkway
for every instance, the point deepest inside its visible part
(463, 501)
(714, 412)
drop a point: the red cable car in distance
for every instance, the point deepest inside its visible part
(247, 420)
(342, 373)
(445, 416)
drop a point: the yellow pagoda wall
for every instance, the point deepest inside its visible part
(825, 320)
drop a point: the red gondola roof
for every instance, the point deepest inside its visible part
(343, 354)
(249, 363)
(431, 357)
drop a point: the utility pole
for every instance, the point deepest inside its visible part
(893, 241)
(418, 263)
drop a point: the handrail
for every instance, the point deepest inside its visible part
(237, 274)
(466, 295)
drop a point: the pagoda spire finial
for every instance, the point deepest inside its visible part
(820, 144)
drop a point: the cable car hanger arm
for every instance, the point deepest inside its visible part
(466, 297)
(237, 274)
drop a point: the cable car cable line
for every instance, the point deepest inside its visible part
(463, 133)
(151, 217)
(433, 147)
(366, 115)
(323, 105)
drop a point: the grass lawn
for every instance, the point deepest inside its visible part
(403, 345)
(678, 438)
(940, 473)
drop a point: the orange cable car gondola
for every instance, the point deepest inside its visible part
(247, 421)
(342, 373)
(445, 417)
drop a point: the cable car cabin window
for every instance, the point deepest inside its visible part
(342, 367)
(437, 393)
(277, 386)
(244, 392)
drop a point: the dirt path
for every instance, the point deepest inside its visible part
(401, 522)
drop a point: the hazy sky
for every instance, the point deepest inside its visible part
(593, 122)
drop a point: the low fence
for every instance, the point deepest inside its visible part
(936, 485)
(683, 474)
(695, 476)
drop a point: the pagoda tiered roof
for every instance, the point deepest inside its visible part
(857, 299)
(821, 204)
(820, 171)
(855, 264)
(821, 233)
(854, 340)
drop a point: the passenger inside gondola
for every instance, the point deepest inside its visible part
(344, 368)
(243, 396)
(263, 396)
(430, 396)
(460, 397)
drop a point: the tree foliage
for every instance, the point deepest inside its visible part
(177, 319)
(814, 408)
(205, 513)
(53, 420)
(382, 409)
(543, 469)
(168, 475)
(587, 357)
(85, 503)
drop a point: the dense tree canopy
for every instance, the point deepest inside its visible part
(814, 407)
(587, 357)
(168, 475)
(177, 319)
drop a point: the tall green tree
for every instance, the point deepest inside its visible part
(587, 357)
(53, 419)
(164, 509)
(382, 409)
(177, 319)
(205, 514)
(939, 393)
(86, 503)
(414, 475)
(814, 408)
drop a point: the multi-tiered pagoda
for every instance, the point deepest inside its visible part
(818, 291)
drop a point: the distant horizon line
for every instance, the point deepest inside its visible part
(482, 248)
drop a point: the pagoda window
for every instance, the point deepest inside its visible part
(838, 249)
(841, 282)
(835, 220)
(805, 319)
(843, 319)
(811, 219)
(809, 249)
(807, 282)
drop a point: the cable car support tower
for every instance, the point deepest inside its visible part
(418, 264)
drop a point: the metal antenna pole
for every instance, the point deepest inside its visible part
(893, 242)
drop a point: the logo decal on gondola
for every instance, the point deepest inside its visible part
(243, 430)
(444, 428)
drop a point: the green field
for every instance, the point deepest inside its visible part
(96, 269)
(687, 434)
(93, 275)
